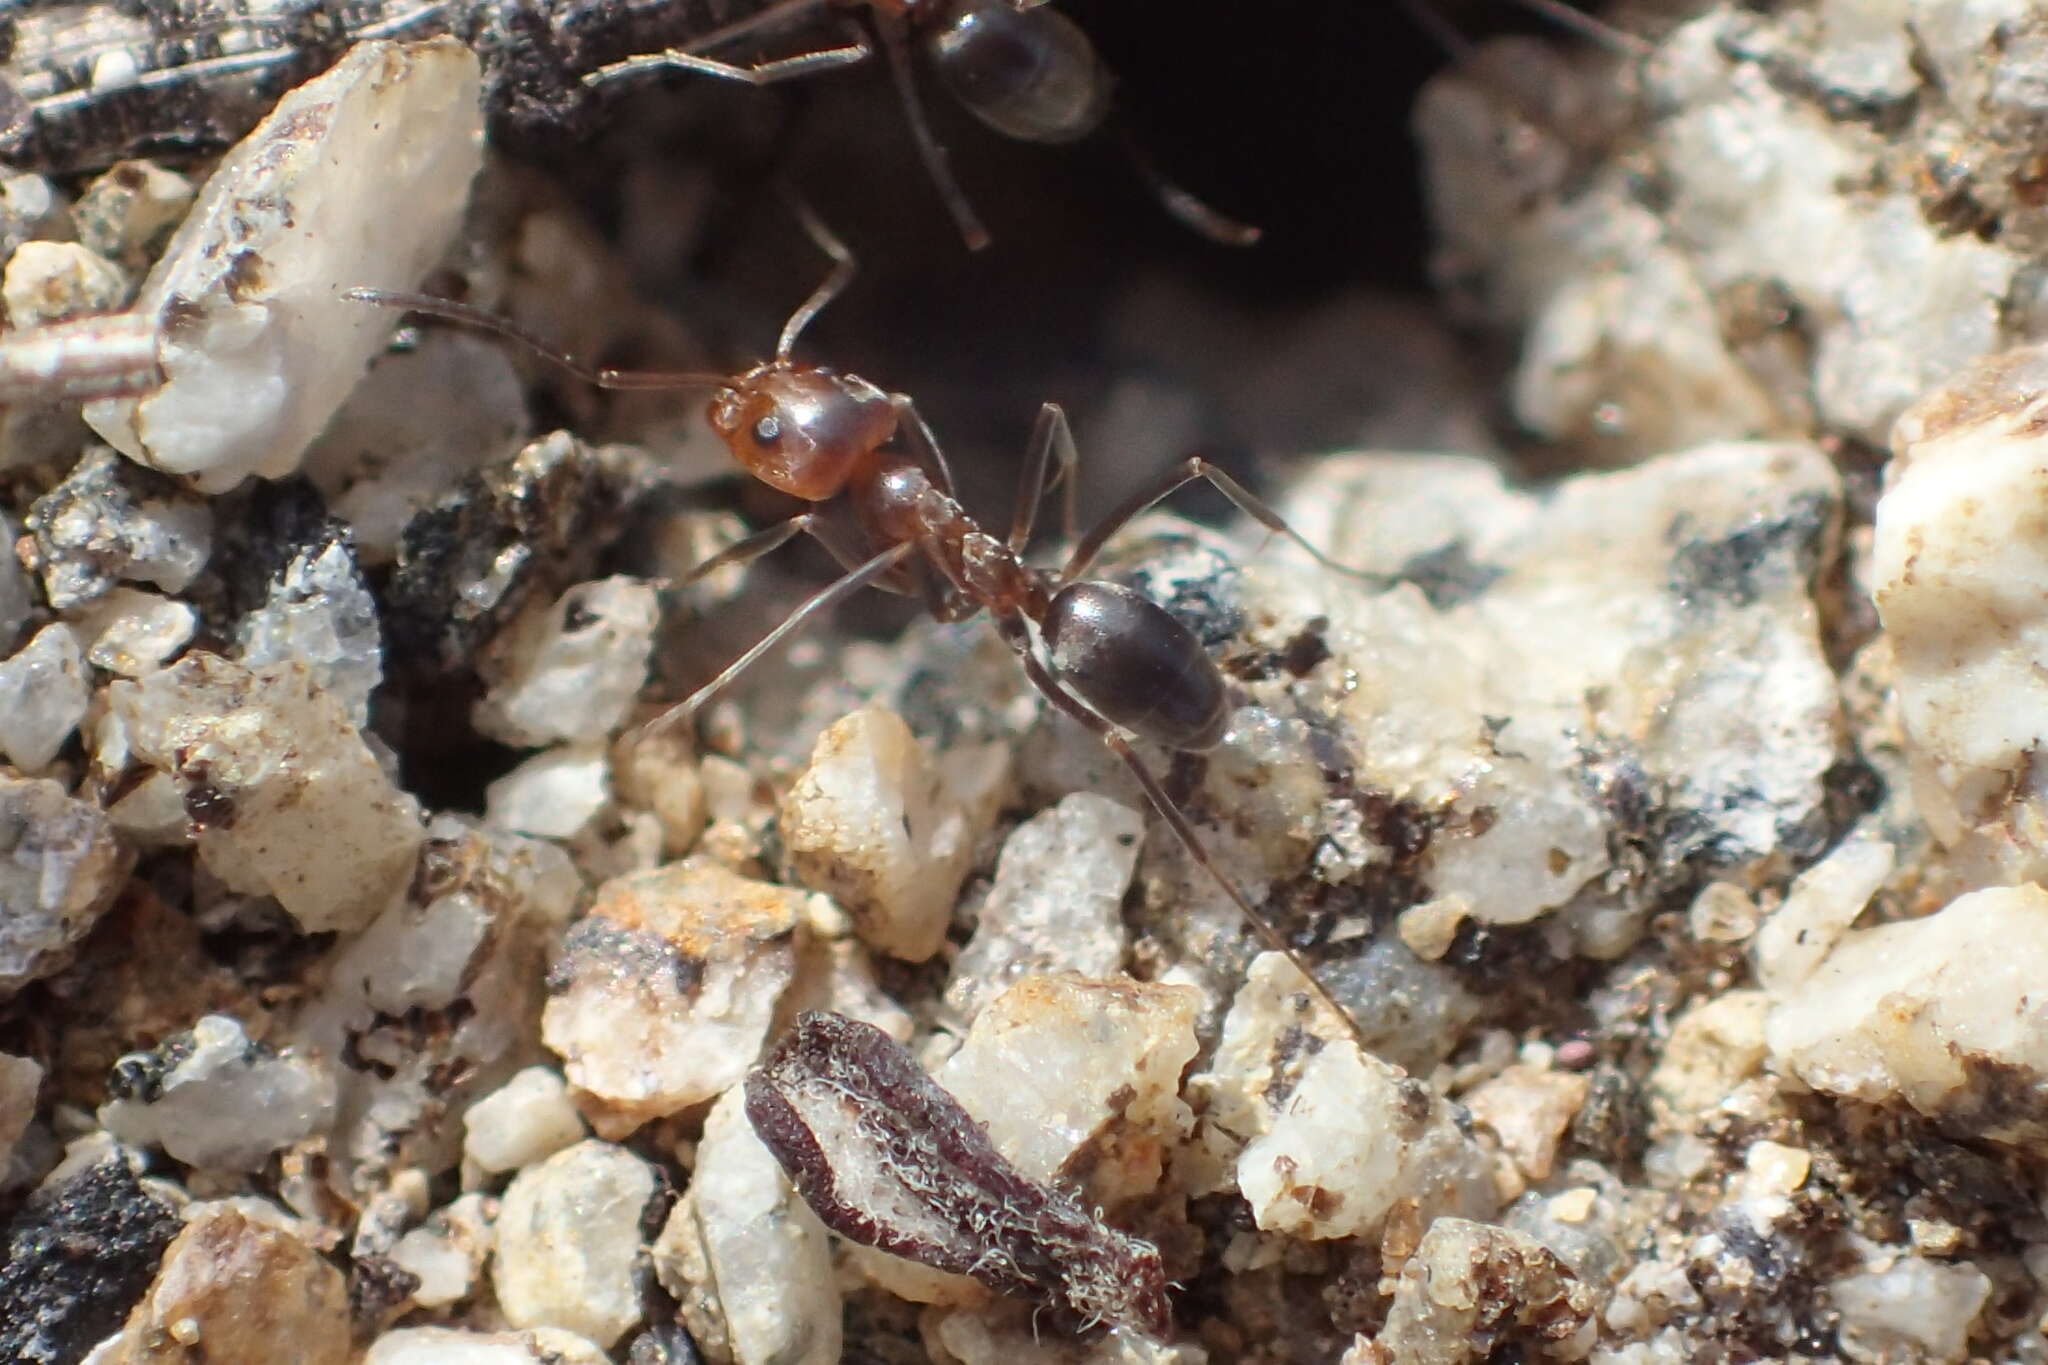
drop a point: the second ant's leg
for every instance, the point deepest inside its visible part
(765, 73)
(821, 601)
(747, 549)
(1182, 474)
(896, 47)
(1169, 810)
(1051, 440)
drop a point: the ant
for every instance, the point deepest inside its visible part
(1106, 656)
(1019, 66)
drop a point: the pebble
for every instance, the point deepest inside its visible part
(1944, 1013)
(662, 994)
(1057, 901)
(286, 797)
(527, 1119)
(60, 868)
(109, 520)
(569, 670)
(749, 1263)
(452, 1346)
(568, 1235)
(356, 179)
(447, 1253)
(129, 632)
(1529, 1109)
(1474, 1292)
(889, 832)
(1714, 1047)
(553, 795)
(21, 1082)
(318, 611)
(212, 1098)
(49, 282)
(78, 1257)
(1077, 1080)
(231, 1288)
(44, 693)
(123, 212)
(1915, 1305)
(1820, 906)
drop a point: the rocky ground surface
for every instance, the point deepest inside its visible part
(1670, 830)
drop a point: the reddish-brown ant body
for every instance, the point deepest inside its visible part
(1108, 657)
(1019, 66)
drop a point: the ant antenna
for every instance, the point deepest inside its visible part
(891, 26)
(1585, 25)
(843, 268)
(468, 316)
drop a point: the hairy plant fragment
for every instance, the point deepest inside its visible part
(888, 1159)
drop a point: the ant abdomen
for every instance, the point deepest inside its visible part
(1135, 665)
(1027, 73)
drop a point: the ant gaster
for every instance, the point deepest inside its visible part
(1019, 66)
(1108, 657)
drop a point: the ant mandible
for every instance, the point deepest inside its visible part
(1110, 658)
(1019, 66)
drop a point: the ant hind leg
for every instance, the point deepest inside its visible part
(1052, 444)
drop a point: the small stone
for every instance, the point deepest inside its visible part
(657, 772)
(663, 993)
(571, 670)
(749, 1263)
(76, 1258)
(1573, 1206)
(15, 600)
(1429, 929)
(1473, 1292)
(887, 832)
(1077, 1081)
(1722, 913)
(449, 1346)
(288, 799)
(446, 1254)
(1914, 1305)
(212, 1098)
(318, 611)
(60, 868)
(568, 1236)
(130, 632)
(55, 281)
(109, 520)
(1823, 902)
(1529, 1109)
(43, 697)
(1057, 902)
(357, 178)
(231, 1288)
(1338, 1139)
(1775, 1168)
(121, 214)
(1714, 1046)
(525, 1120)
(1944, 1013)
(21, 1082)
(553, 795)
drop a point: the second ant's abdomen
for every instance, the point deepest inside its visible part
(1136, 665)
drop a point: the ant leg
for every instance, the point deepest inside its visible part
(1186, 472)
(924, 447)
(1051, 439)
(747, 549)
(1169, 810)
(821, 601)
(1180, 204)
(896, 47)
(765, 73)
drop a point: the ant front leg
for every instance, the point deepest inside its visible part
(1176, 478)
(1162, 802)
(1051, 440)
(764, 73)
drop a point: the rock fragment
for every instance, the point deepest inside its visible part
(110, 520)
(527, 1119)
(452, 1346)
(43, 697)
(60, 868)
(1915, 1305)
(749, 1263)
(1472, 1292)
(663, 992)
(130, 632)
(568, 1235)
(212, 1098)
(77, 1257)
(286, 797)
(232, 1288)
(357, 178)
(888, 832)
(571, 670)
(1944, 1013)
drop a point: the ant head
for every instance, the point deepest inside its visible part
(800, 429)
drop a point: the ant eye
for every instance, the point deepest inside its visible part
(768, 431)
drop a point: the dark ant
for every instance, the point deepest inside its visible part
(1019, 66)
(1108, 657)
